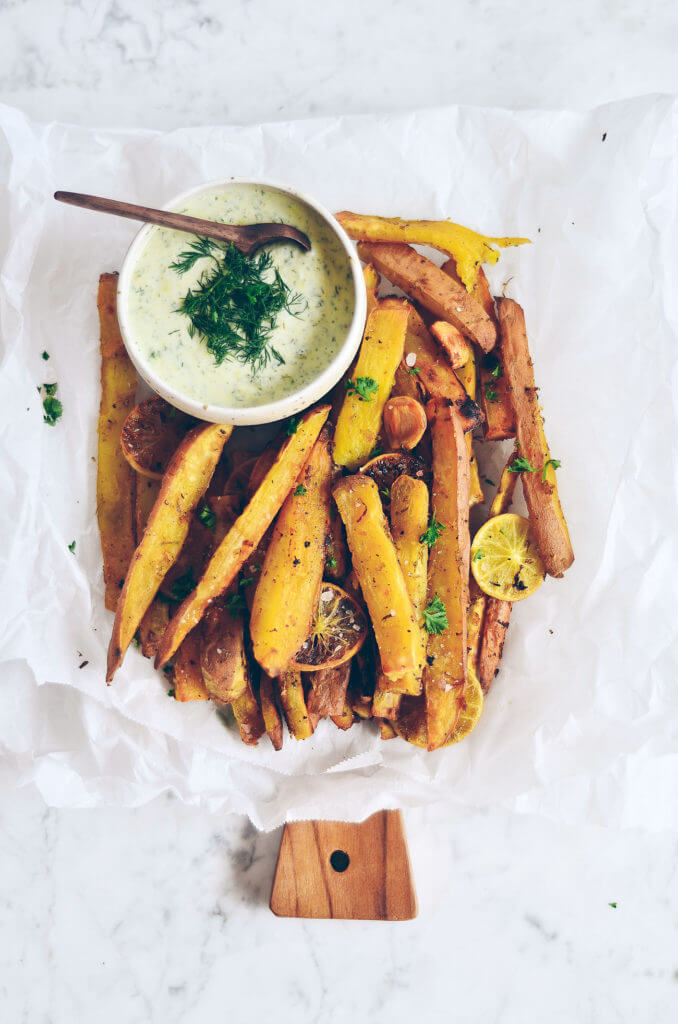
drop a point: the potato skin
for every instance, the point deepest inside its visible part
(359, 420)
(540, 487)
(246, 532)
(287, 592)
(445, 673)
(381, 579)
(115, 477)
(426, 283)
(186, 480)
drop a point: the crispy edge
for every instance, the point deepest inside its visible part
(115, 478)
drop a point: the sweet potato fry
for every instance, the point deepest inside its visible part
(496, 615)
(336, 552)
(475, 619)
(188, 681)
(433, 372)
(269, 711)
(246, 532)
(409, 520)
(381, 579)
(469, 248)
(346, 719)
(154, 622)
(445, 673)
(386, 731)
(291, 689)
(385, 703)
(115, 477)
(493, 397)
(495, 628)
(248, 716)
(371, 285)
(184, 483)
(328, 690)
(427, 284)
(359, 419)
(539, 485)
(286, 596)
(223, 660)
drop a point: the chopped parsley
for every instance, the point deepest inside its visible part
(299, 491)
(235, 304)
(207, 517)
(435, 616)
(292, 426)
(363, 387)
(52, 407)
(236, 603)
(182, 586)
(497, 371)
(613, 905)
(488, 481)
(432, 532)
(478, 555)
(556, 463)
(521, 465)
(331, 562)
(377, 450)
(71, 546)
(170, 693)
(490, 394)
(413, 370)
(45, 356)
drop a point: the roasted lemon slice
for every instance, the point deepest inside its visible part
(411, 722)
(504, 558)
(338, 632)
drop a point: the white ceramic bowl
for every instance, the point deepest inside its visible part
(283, 407)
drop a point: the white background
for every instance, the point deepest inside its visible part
(159, 914)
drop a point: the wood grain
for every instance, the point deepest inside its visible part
(377, 885)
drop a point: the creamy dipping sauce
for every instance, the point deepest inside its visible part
(307, 341)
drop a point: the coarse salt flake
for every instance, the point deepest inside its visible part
(410, 358)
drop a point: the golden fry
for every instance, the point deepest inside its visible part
(115, 478)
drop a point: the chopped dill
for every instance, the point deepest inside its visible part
(235, 304)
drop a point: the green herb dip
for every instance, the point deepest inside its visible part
(307, 341)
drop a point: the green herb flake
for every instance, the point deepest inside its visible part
(521, 465)
(170, 693)
(435, 616)
(236, 603)
(292, 426)
(478, 555)
(432, 532)
(363, 387)
(556, 463)
(236, 302)
(71, 546)
(51, 406)
(491, 395)
(488, 481)
(207, 517)
(331, 562)
(45, 356)
(497, 372)
(413, 370)
(182, 586)
(377, 450)
(613, 905)
(299, 491)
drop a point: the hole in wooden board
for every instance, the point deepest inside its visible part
(339, 860)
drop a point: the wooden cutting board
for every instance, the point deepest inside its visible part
(334, 869)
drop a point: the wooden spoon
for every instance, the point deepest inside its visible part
(248, 237)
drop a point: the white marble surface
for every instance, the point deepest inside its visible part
(159, 914)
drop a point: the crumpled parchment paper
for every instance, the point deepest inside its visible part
(582, 723)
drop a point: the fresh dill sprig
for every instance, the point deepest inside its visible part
(235, 304)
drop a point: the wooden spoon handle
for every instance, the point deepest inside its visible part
(247, 237)
(167, 219)
(340, 870)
